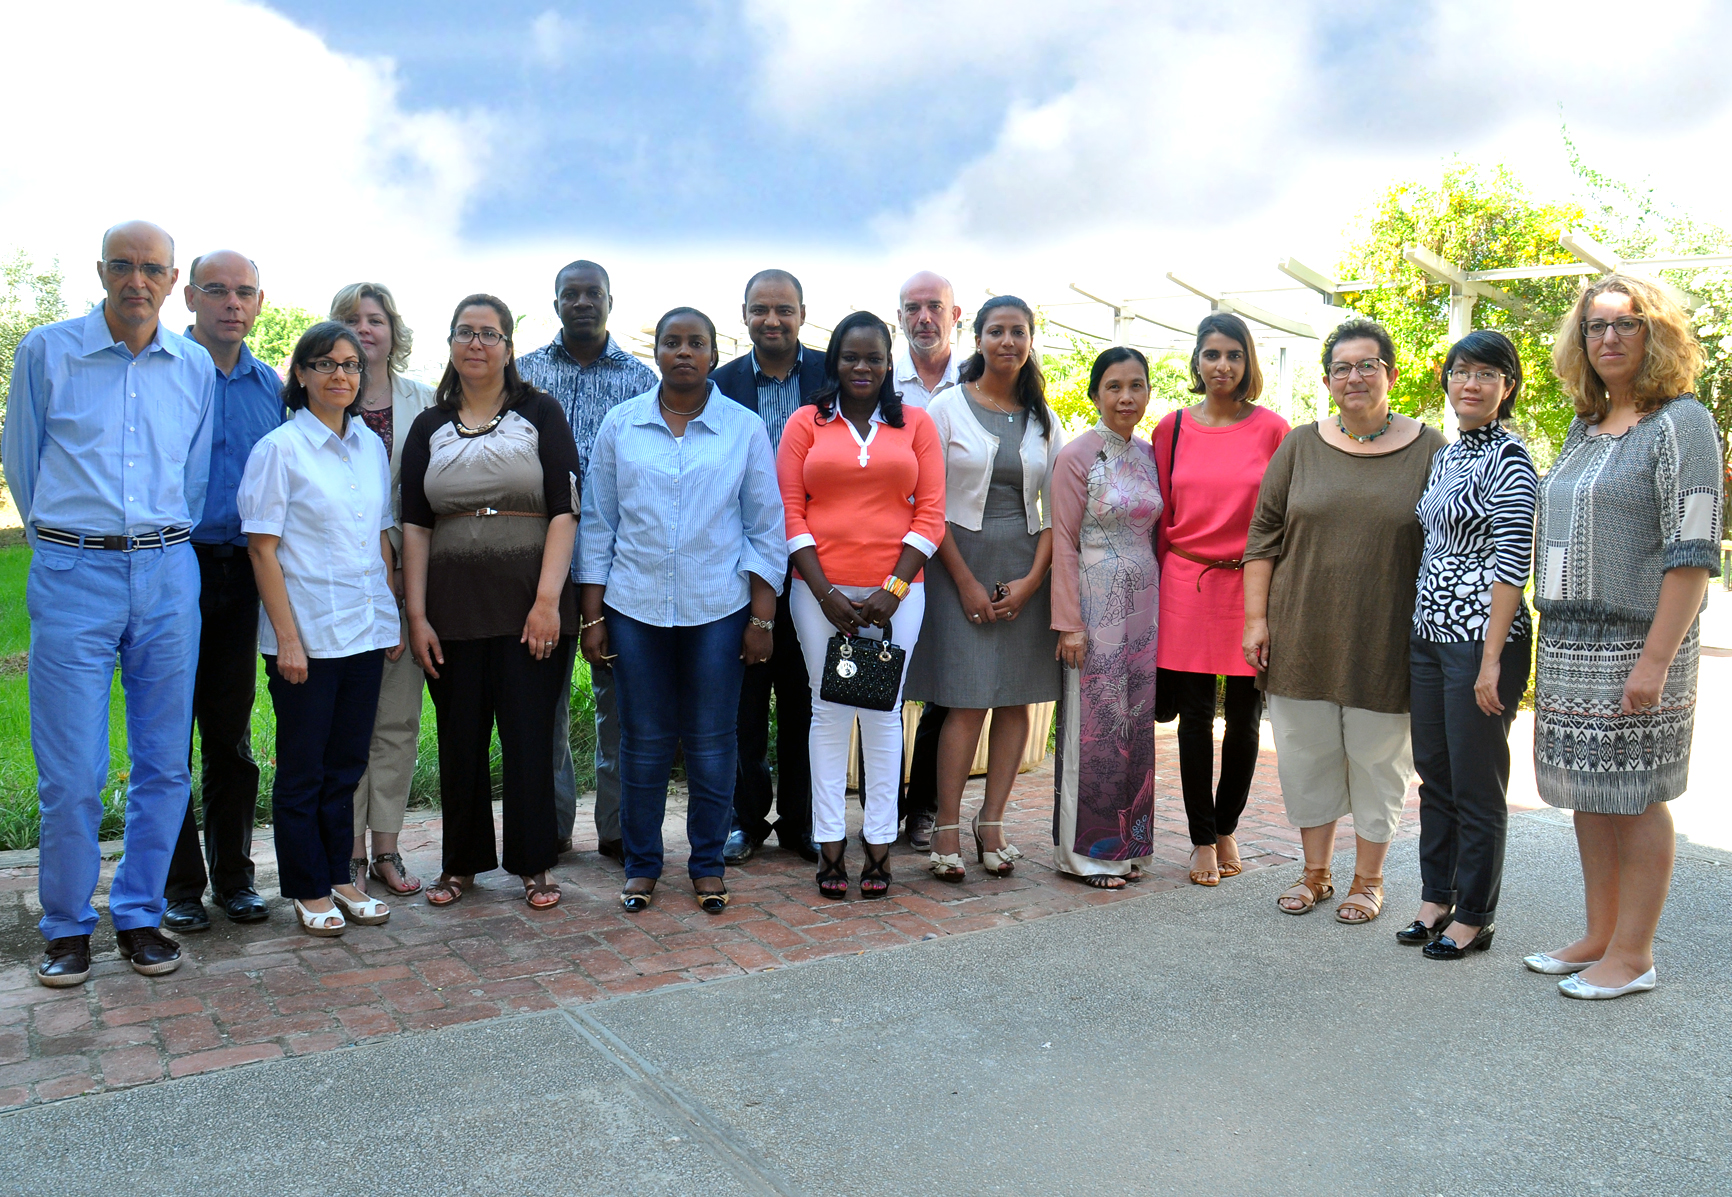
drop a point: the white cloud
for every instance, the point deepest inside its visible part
(552, 38)
(230, 126)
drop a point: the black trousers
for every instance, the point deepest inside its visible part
(1212, 810)
(484, 682)
(920, 794)
(324, 730)
(1462, 757)
(785, 675)
(222, 704)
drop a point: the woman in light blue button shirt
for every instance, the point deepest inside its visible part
(315, 502)
(681, 552)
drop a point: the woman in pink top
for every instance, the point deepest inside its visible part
(1211, 457)
(863, 487)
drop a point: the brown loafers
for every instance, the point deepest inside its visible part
(148, 950)
(65, 962)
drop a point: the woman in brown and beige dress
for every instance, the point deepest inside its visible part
(1330, 570)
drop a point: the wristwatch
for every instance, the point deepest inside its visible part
(895, 586)
(763, 625)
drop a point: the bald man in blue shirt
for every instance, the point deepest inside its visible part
(107, 453)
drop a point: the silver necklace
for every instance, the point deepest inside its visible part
(1009, 416)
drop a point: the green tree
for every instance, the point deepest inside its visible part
(1476, 219)
(1067, 384)
(30, 297)
(278, 328)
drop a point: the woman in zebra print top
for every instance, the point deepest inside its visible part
(1472, 644)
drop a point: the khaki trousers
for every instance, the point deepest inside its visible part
(1335, 760)
(382, 795)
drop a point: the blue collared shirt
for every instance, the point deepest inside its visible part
(672, 525)
(103, 443)
(587, 393)
(249, 403)
(777, 400)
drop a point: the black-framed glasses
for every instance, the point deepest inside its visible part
(1485, 378)
(119, 268)
(1626, 326)
(324, 365)
(218, 291)
(489, 337)
(1366, 369)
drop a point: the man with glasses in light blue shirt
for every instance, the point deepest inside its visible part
(223, 294)
(107, 452)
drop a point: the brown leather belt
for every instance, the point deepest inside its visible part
(481, 512)
(1208, 563)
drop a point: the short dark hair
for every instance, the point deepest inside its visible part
(449, 394)
(1107, 359)
(773, 275)
(1359, 329)
(675, 313)
(1488, 347)
(1030, 388)
(825, 397)
(582, 264)
(1234, 329)
(316, 342)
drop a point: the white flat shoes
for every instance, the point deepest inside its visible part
(1574, 986)
(1551, 966)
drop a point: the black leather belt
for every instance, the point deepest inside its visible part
(167, 538)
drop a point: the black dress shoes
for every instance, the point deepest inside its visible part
(801, 845)
(148, 950)
(563, 846)
(186, 915)
(612, 849)
(245, 906)
(739, 849)
(65, 963)
(1444, 948)
(1417, 934)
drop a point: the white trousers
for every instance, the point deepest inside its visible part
(1335, 761)
(833, 723)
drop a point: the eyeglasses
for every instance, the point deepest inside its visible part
(1367, 368)
(324, 365)
(1485, 378)
(489, 337)
(1595, 330)
(218, 291)
(119, 268)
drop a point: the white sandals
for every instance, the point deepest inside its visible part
(369, 912)
(320, 922)
(947, 866)
(1000, 862)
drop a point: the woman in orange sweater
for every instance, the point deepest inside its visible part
(863, 486)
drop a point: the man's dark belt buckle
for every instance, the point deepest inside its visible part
(124, 544)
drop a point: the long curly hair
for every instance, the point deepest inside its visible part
(1671, 361)
(347, 302)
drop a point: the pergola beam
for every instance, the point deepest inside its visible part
(1222, 303)
(1458, 280)
(1606, 260)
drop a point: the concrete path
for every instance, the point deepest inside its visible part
(1185, 1041)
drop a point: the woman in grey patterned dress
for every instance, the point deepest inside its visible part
(987, 642)
(1628, 534)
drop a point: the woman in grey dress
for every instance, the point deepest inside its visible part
(987, 642)
(1628, 534)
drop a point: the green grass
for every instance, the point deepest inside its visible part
(20, 819)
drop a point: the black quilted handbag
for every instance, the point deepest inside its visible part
(862, 673)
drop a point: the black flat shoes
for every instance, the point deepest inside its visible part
(1444, 948)
(1417, 934)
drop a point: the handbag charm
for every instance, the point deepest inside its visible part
(856, 676)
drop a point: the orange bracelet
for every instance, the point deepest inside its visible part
(895, 586)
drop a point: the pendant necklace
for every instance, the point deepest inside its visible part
(1009, 416)
(1388, 419)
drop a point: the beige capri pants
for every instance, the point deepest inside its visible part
(1335, 760)
(382, 795)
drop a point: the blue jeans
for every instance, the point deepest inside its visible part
(86, 607)
(678, 688)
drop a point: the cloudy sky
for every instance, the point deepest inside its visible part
(446, 147)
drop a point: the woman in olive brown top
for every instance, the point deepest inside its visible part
(1330, 572)
(490, 480)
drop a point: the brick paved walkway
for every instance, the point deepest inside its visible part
(263, 991)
